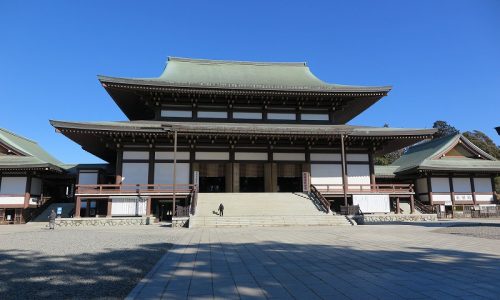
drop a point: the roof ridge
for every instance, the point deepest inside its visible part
(236, 62)
(17, 135)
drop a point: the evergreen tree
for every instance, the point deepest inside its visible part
(444, 129)
(484, 142)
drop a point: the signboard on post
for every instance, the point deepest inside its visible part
(306, 182)
(196, 178)
(59, 211)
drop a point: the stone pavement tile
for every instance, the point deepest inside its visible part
(201, 297)
(178, 284)
(178, 294)
(438, 295)
(250, 292)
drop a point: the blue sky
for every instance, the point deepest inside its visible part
(442, 57)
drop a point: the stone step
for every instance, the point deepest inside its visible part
(327, 220)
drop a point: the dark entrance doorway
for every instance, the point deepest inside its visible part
(212, 179)
(289, 178)
(162, 209)
(251, 177)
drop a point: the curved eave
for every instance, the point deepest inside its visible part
(33, 167)
(157, 83)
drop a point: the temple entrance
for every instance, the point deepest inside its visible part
(212, 178)
(251, 177)
(289, 178)
(162, 209)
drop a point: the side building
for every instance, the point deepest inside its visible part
(449, 173)
(30, 179)
(235, 127)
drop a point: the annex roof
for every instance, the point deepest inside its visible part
(26, 153)
(224, 74)
(431, 155)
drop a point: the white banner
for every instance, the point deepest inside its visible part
(372, 203)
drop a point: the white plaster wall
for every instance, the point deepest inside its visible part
(483, 185)
(250, 156)
(177, 113)
(164, 173)
(421, 185)
(135, 173)
(212, 155)
(357, 157)
(461, 185)
(36, 186)
(326, 174)
(314, 117)
(289, 156)
(14, 200)
(136, 155)
(440, 185)
(372, 203)
(446, 197)
(358, 174)
(212, 114)
(13, 186)
(281, 116)
(88, 177)
(170, 155)
(325, 157)
(247, 115)
(484, 197)
(128, 207)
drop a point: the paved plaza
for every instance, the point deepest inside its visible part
(428, 261)
(362, 262)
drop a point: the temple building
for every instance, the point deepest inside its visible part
(207, 126)
(30, 178)
(449, 173)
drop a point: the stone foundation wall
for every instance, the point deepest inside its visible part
(393, 218)
(70, 222)
(178, 222)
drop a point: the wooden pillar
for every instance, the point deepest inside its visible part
(151, 167)
(236, 177)
(344, 168)
(450, 180)
(78, 206)
(268, 177)
(228, 174)
(412, 204)
(119, 166)
(473, 189)
(108, 211)
(174, 177)
(372, 168)
(148, 206)
(274, 177)
(27, 192)
(398, 207)
(429, 188)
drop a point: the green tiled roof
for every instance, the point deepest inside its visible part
(385, 171)
(32, 154)
(427, 156)
(203, 73)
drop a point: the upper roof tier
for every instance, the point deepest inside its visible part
(222, 74)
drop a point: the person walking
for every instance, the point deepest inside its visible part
(221, 210)
(52, 219)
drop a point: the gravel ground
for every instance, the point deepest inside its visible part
(78, 263)
(487, 230)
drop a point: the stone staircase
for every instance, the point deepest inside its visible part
(44, 216)
(262, 209)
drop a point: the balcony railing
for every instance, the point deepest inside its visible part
(133, 189)
(338, 189)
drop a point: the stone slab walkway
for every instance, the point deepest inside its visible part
(360, 262)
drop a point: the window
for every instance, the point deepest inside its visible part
(177, 113)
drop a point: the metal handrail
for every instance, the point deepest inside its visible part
(325, 203)
(366, 188)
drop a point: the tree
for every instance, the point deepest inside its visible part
(484, 142)
(444, 129)
(388, 158)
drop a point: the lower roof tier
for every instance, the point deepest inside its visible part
(103, 138)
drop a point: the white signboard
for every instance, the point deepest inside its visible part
(306, 182)
(463, 197)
